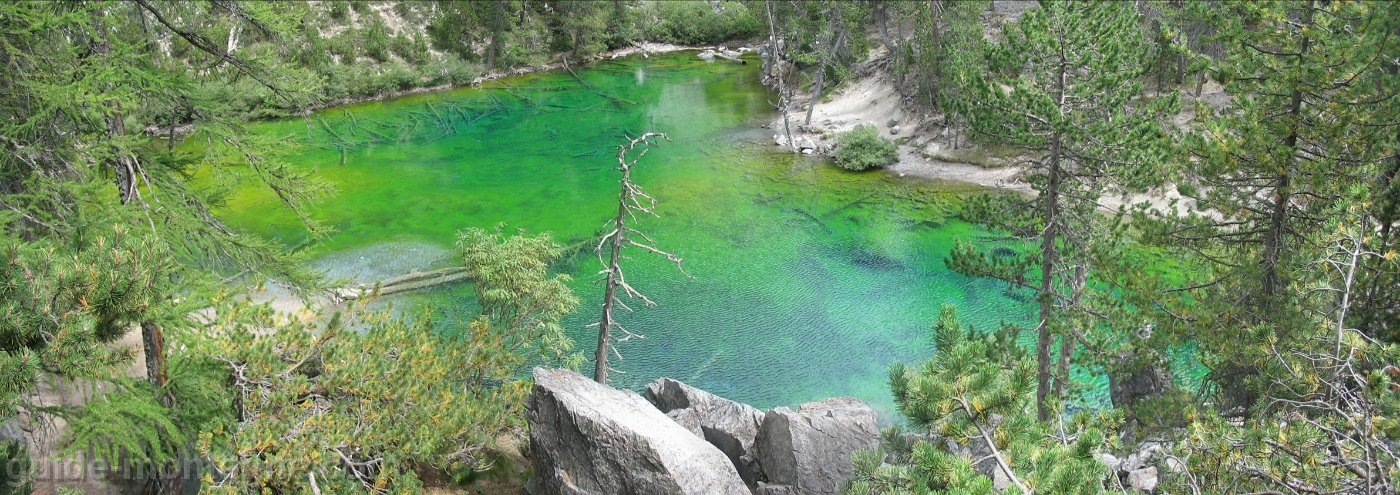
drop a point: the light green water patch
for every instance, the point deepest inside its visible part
(808, 281)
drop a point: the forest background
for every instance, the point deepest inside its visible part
(1281, 250)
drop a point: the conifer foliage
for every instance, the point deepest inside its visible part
(1062, 84)
(61, 307)
(353, 404)
(978, 392)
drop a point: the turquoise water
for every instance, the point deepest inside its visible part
(808, 281)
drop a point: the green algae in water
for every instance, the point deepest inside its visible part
(808, 281)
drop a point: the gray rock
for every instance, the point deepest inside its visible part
(10, 430)
(1144, 479)
(892, 123)
(1141, 456)
(1111, 461)
(810, 448)
(1132, 381)
(591, 439)
(975, 450)
(767, 489)
(728, 425)
(894, 130)
(706, 55)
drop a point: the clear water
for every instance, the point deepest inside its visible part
(808, 280)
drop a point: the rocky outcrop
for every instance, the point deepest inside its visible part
(808, 451)
(587, 438)
(1140, 469)
(1125, 389)
(728, 425)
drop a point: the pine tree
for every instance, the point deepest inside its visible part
(623, 235)
(354, 402)
(1065, 85)
(1300, 134)
(978, 392)
(62, 306)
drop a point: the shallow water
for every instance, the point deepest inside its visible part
(808, 281)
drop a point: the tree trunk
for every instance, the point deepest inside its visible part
(491, 53)
(124, 166)
(1069, 341)
(816, 92)
(837, 37)
(1049, 253)
(497, 13)
(600, 357)
(935, 72)
(1274, 237)
(778, 70)
(893, 48)
(153, 343)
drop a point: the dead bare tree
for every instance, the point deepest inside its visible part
(630, 201)
(775, 64)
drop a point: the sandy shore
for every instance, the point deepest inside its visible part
(873, 100)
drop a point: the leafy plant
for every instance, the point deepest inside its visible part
(353, 402)
(518, 296)
(863, 147)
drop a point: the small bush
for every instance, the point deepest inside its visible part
(450, 70)
(412, 49)
(339, 11)
(375, 40)
(863, 147)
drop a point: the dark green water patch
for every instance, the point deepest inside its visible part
(808, 281)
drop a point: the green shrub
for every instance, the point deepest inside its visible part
(375, 40)
(410, 48)
(698, 23)
(864, 147)
(343, 45)
(339, 11)
(450, 69)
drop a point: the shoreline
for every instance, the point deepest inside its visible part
(873, 100)
(645, 49)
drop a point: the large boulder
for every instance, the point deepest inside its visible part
(809, 449)
(591, 439)
(728, 425)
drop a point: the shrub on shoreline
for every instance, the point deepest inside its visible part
(863, 147)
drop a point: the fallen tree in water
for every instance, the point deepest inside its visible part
(403, 283)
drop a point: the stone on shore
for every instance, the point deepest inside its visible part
(810, 449)
(728, 425)
(588, 438)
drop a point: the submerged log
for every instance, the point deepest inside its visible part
(731, 58)
(412, 281)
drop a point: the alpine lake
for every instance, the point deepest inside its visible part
(805, 281)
